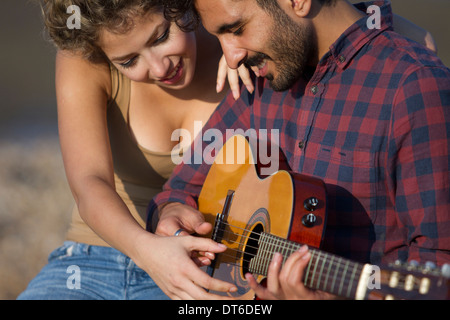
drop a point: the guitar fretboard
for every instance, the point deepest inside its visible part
(326, 272)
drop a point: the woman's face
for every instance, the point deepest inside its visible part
(153, 51)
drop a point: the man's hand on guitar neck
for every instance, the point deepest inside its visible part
(285, 282)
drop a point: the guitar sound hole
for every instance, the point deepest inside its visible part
(251, 247)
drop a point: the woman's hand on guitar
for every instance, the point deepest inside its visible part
(168, 261)
(285, 282)
(176, 258)
(233, 76)
(175, 216)
(180, 220)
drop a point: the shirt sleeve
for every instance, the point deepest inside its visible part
(186, 181)
(419, 164)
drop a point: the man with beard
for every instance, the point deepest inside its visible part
(364, 109)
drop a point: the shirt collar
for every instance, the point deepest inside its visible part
(359, 34)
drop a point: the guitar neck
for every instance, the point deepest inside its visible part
(325, 272)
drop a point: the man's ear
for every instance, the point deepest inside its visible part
(300, 8)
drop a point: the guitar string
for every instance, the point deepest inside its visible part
(294, 245)
(325, 285)
(255, 233)
(278, 242)
(338, 282)
(323, 259)
(319, 282)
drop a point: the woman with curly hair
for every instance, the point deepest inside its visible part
(125, 80)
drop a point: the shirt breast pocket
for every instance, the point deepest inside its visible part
(353, 170)
(351, 178)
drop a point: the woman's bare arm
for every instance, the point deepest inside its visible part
(82, 95)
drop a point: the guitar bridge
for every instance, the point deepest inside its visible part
(219, 226)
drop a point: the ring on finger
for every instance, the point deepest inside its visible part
(177, 233)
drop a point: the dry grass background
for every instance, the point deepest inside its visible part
(34, 209)
(35, 200)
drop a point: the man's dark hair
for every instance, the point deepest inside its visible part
(187, 17)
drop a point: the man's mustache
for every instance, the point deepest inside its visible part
(256, 59)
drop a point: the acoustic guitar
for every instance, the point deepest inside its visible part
(256, 217)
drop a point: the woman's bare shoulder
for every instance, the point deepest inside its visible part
(75, 72)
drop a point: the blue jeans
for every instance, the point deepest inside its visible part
(77, 271)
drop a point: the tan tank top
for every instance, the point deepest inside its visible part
(139, 173)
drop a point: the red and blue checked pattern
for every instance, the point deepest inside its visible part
(373, 122)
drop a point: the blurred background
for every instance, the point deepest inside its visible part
(35, 201)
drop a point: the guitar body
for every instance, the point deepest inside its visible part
(276, 204)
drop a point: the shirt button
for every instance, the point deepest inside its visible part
(314, 89)
(301, 144)
(342, 59)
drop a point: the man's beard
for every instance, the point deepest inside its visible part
(291, 47)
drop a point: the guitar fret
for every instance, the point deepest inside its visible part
(343, 278)
(258, 263)
(262, 266)
(282, 249)
(321, 272)
(254, 262)
(294, 247)
(287, 252)
(335, 276)
(315, 268)
(275, 248)
(330, 263)
(307, 270)
(265, 266)
(352, 278)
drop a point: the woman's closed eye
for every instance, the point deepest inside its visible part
(130, 63)
(163, 37)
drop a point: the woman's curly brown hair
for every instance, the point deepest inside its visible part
(96, 15)
(183, 12)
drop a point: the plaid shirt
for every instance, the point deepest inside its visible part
(373, 122)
